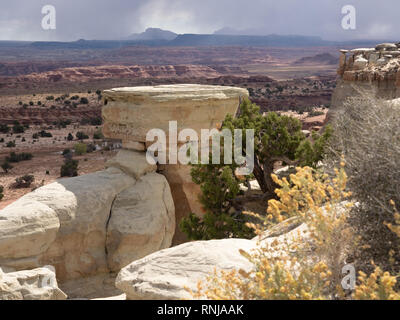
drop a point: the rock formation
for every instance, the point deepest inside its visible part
(130, 113)
(373, 69)
(86, 226)
(90, 227)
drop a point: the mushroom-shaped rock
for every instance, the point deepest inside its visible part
(130, 113)
(386, 46)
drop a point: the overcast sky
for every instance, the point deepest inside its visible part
(114, 19)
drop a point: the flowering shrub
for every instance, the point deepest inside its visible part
(311, 265)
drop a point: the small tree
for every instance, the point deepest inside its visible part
(277, 138)
(69, 168)
(81, 135)
(98, 135)
(4, 128)
(11, 144)
(84, 101)
(6, 166)
(18, 128)
(24, 181)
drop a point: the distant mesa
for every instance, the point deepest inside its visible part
(236, 32)
(152, 34)
(319, 59)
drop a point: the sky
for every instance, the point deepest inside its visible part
(116, 19)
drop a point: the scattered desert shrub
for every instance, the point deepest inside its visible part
(1, 192)
(70, 137)
(84, 101)
(98, 135)
(69, 168)
(81, 135)
(80, 149)
(66, 151)
(24, 181)
(95, 121)
(18, 128)
(90, 148)
(315, 113)
(11, 144)
(366, 132)
(18, 157)
(6, 166)
(4, 128)
(45, 134)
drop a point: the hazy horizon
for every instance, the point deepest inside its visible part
(113, 20)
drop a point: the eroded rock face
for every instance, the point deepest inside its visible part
(375, 70)
(90, 225)
(37, 284)
(165, 274)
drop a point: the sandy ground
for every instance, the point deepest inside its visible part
(47, 156)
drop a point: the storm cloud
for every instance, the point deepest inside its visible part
(115, 19)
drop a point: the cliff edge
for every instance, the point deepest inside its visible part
(376, 70)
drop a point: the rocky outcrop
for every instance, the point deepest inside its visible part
(130, 113)
(375, 70)
(166, 274)
(88, 226)
(37, 284)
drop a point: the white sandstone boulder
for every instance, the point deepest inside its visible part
(165, 274)
(142, 221)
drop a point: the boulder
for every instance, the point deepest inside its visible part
(142, 221)
(132, 163)
(37, 284)
(165, 274)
